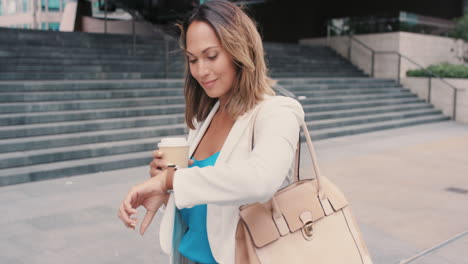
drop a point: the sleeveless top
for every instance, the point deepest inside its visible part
(194, 244)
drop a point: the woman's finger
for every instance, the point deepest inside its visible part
(129, 204)
(155, 172)
(157, 154)
(125, 218)
(158, 201)
(146, 221)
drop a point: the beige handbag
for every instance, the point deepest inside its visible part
(308, 221)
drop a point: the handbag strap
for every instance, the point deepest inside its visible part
(312, 153)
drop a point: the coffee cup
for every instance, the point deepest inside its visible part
(175, 151)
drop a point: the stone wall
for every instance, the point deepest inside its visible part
(95, 25)
(442, 96)
(423, 49)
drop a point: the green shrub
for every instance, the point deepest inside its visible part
(461, 28)
(443, 70)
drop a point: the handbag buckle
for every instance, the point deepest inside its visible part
(308, 229)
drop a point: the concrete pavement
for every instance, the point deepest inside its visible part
(408, 188)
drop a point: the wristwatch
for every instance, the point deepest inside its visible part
(170, 177)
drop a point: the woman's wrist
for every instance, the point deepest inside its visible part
(169, 179)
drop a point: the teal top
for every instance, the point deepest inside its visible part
(194, 244)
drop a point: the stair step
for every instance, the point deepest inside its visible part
(89, 95)
(337, 86)
(76, 61)
(83, 68)
(73, 167)
(358, 97)
(365, 111)
(371, 127)
(351, 91)
(64, 116)
(73, 139)
(360, 104)
(303, 81)
(50, 155)
(350, 121)
(79, 76)
(32, 130)
(49, 86)
(88, 104)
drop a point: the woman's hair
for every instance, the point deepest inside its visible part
(239, 37)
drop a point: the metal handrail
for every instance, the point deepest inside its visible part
(350, 38)
(431, 74)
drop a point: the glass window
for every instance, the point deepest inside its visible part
(25, 6)
(43, 5)
(11, 6)
(54, 5)
(43, 26)
(26, 26)
(1, 7)
(54, 26)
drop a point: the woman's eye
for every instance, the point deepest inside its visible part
(192, 61)
(212, 57)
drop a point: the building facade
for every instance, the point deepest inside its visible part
(43, 14)
(32, 14)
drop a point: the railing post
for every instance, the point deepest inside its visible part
(105, 16)
(429, 90)
(455, 105)
(373, 64)
(399, 68)
(166, 51)
(349, 47)
(134, 36)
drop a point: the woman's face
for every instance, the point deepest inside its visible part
(209, 63)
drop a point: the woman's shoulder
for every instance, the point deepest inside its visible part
(275, 104)
(281, 102)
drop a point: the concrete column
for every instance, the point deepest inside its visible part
(34, 4)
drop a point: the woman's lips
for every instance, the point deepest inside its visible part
(209, 83)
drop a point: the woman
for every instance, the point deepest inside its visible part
(226, 82)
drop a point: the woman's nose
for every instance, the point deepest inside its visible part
(202, 69)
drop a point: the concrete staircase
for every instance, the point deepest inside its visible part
(48, 55)
(347, 106)
(58, 128)
(39, 55)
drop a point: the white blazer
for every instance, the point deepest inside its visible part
(240, 176)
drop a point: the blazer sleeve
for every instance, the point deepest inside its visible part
(257, 176)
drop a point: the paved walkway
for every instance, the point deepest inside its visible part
(408, 188)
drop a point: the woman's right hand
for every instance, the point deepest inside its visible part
(159, 164)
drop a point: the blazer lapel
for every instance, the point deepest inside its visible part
(201, 131)
(237, 130)
(241, 124)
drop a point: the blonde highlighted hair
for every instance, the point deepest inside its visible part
(239, 37)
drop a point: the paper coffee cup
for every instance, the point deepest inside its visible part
(175, 151)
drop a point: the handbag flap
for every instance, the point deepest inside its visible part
(296, 199)
(292, 201)
(259, 222)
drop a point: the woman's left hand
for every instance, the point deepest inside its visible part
(150, 194)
